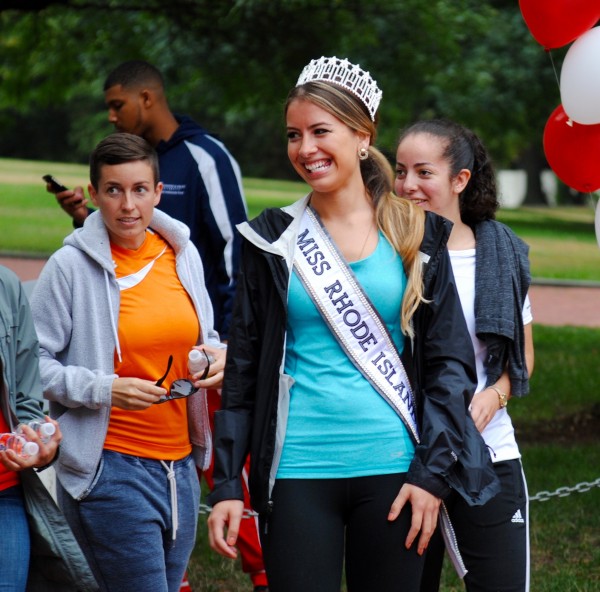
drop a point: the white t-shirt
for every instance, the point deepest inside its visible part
(499, 434)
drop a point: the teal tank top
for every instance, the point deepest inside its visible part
(339, 425)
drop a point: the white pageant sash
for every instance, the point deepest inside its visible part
(362, 334)
(352, 318)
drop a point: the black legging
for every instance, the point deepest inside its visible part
(313, 519)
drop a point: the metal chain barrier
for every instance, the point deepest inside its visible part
(542, 496)
(204, 509)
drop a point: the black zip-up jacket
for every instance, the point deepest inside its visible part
(255, 393)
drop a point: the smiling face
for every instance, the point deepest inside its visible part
(323, 149)
(423, 175)
(126, 196)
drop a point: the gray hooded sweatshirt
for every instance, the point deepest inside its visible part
(75, 305)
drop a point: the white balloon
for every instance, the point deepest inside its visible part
(580, 79)
(598, 222)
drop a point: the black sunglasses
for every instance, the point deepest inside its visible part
(180, 388)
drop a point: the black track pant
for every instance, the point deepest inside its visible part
(317, 524)
(493, 539)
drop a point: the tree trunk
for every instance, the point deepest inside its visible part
(533, 162)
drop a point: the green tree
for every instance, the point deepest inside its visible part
(230, 63)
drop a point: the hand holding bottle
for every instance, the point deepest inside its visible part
(44, 429)
(13, 460)
(211, 365)
(199, 361)
(18, 444)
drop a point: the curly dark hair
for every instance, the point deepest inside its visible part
(464, 150)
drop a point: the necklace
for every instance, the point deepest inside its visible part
(365, 242)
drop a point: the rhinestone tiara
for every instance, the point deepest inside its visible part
(349, 76)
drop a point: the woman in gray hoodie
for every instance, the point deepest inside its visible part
(117, 310)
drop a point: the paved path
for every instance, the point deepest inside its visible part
(552, 305)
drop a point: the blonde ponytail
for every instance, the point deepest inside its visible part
(403, 223)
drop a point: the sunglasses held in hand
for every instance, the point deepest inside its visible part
(182, 387)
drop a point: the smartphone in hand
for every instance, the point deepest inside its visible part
(55, 186)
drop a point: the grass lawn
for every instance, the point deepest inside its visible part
(557, 425)
(32, 223)
(562, 240)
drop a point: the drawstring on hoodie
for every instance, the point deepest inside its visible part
(113, 323)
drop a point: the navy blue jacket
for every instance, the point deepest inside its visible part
(203, 189)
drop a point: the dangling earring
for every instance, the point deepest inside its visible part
(363, 153)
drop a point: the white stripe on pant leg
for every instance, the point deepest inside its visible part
(528, 550)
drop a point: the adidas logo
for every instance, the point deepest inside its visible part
(518, 517)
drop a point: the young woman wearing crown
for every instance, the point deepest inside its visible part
(350, 368)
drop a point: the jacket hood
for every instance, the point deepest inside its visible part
(94, 241)
(275, 231)
(187, 129)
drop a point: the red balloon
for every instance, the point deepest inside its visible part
(554, 23)
(573, 151)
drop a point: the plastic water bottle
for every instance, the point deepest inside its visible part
(197, 361)
(19, 444)
(44, 429)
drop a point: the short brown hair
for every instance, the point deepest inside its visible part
(119, 148)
